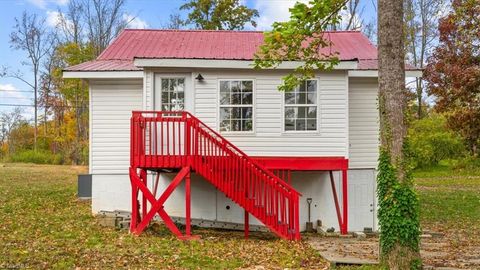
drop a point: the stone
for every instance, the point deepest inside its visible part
(359, 235)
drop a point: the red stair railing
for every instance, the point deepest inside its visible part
(179, 139)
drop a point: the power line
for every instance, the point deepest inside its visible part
(9, 90)
(26, 105)
(29, 98)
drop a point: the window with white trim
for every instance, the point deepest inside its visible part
(236, 105)
(301, 107)
(173, 94)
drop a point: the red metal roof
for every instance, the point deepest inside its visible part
(205, 44)
(105, 65)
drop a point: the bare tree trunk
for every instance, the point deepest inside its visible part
(392, 78)
(35, 104)
(397, 200)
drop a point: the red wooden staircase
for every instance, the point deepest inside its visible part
(179, 141)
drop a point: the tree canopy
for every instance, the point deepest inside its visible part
(219, 14)
(453, 70)
(301, 36)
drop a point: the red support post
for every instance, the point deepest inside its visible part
(133, 222)
(143, 176)
(187, 205)
(344, 228)
(246, 224)
(335, 199)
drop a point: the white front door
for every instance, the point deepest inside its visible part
(361, 199)
(173, 92)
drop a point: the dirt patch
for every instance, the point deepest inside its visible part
(437, 250)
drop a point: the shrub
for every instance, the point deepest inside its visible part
(431, 141)
(38, 157)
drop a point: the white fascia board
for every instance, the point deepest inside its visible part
(233, 64)
(102, 74)
(374, 73)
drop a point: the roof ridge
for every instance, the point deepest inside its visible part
(225, 31)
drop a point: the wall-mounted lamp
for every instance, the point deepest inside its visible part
(199, 77)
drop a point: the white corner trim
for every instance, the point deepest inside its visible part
(374, 73)
(102, 74)
(233, 64)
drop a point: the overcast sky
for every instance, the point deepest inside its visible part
(147, 14)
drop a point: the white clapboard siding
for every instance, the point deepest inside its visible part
(269, 138)
(363, 122)
(112, 103)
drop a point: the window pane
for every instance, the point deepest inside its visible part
(290, 98)
(302, 112)
(225, 125)
(225, 113)
(236, 125)
(173, 84)
(301, 88)
(224, 98)
(312, 112)
(289, 124)
(247, 113)
(164, 85)
(236, 99)
(247, 86)
(290, 112)
(180, 87)
(224, 86)
(301, 98)
(235, 86)
(165, 107)
(300, 124)
(247, 98)
(312, 86)
(236, 113)
(247, 125)
(165, 98)
(311, 98)
(311, 124)
(180, 95)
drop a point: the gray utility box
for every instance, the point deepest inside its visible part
(84, 186)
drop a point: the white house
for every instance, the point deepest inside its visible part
(307, 137)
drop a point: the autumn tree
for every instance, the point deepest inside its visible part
(9, 121)
(219, 14)
(453, 70)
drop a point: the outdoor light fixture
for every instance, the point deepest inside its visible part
(199, 77)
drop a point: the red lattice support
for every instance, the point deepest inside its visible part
(140, 187)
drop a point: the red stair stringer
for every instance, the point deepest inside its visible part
(180, 140)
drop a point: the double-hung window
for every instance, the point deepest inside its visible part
(236, 105)
(301, 107)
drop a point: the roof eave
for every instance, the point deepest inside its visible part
(68, 74)
(223, 63)
(373, 73)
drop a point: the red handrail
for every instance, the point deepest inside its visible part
(176, 139)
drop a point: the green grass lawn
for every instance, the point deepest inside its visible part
(43, 225)
(449, 198)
